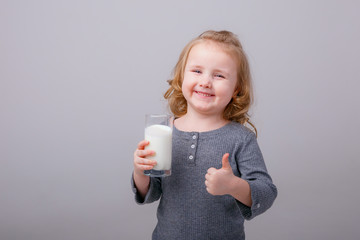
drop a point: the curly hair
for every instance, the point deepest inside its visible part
(237, 109)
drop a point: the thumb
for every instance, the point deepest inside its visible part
(225, 161)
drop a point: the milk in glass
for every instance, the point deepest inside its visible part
(160, 138)
(158, 131)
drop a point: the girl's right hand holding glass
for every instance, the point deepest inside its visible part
(141, 163)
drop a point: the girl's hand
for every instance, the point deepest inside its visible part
(141, 163)
(218, 181)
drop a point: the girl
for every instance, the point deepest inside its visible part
(219, 177)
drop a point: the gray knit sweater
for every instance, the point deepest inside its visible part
(186, 210)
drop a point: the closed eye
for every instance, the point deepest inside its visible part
(219, 76)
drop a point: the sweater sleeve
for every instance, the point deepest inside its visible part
(252, 168)
(152, 195)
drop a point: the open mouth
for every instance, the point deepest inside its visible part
(204, 94)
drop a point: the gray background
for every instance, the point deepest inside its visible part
(77, 77)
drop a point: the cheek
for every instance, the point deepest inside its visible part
(184, 90)
(226, 90)
(186, 87)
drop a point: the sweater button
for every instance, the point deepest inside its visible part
(191, 157)
(194, 137)
(193, 146)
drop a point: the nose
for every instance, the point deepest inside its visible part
(205, 81)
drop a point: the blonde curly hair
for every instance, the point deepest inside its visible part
(237, 109)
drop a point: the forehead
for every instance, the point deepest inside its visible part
(208, 45)
(208, 51)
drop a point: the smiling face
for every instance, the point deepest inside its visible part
(210, 79)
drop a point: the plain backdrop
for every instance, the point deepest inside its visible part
(77, 78)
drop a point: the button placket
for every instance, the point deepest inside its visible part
(192, 147)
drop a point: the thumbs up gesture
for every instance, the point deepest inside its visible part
(218, 181)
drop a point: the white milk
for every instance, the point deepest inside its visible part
(160, 138)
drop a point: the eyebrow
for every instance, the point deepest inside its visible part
(195, 66)
(215, 70)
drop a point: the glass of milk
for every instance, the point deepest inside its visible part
(158, 131)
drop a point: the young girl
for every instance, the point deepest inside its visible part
(219, 177)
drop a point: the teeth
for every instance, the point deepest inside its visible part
(204, 94)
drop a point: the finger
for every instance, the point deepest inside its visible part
(225, 161)
(145, 167)
(206, 183)
(209, 191)
(144, 153)
(211, 170)
(143, 144)
(145, 161)
(140, 168)
(207, 177)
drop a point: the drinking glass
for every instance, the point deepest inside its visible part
(158, 131)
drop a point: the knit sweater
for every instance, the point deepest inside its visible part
(186, 210)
